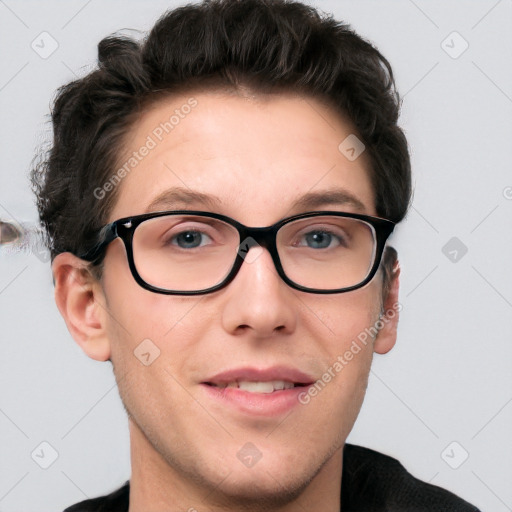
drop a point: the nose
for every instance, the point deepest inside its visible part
(258, 301)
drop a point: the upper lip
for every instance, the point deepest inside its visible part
(261, 375)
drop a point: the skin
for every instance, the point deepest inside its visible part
(257, 155)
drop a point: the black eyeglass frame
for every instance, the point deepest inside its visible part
(264, 236)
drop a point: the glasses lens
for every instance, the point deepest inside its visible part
(327, 252)
(184, 252)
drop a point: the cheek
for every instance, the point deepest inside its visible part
(153, 339)
(149, 330)
(167, 327)
(135, 313)
(342, 327)
(342, 318)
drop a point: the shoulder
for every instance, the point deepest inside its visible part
(114, 502)
(375, 482)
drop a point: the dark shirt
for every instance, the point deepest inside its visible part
(371, 482)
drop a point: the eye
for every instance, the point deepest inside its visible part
(320, 239)
(190, 239)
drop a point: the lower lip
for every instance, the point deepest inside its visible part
(260, 404)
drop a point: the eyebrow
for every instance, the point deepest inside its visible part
(175, 198)
(338, 197)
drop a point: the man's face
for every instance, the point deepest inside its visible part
(254, 158)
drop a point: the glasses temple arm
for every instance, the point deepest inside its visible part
(106, 235)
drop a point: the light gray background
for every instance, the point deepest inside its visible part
(449, 377)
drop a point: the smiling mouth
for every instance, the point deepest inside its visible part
(264, 387)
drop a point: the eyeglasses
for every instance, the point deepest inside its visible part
(193, 252)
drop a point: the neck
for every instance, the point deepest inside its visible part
(157, 485)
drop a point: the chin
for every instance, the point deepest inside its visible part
(265, 489)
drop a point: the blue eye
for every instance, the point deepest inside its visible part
(319, 239)
(190, 239)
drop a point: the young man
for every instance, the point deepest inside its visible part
(217, 202)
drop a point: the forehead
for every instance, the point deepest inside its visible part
(256, 158)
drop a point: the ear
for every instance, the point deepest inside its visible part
(82, 304)
(386, 337)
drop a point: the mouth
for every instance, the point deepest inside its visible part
(263, 387)
(258, 392)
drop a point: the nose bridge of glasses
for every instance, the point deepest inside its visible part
(263, 237)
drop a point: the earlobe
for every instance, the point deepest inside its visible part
(81, 302)
(388, 325)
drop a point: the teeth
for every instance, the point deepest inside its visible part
(279, 384)
(258, 387)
